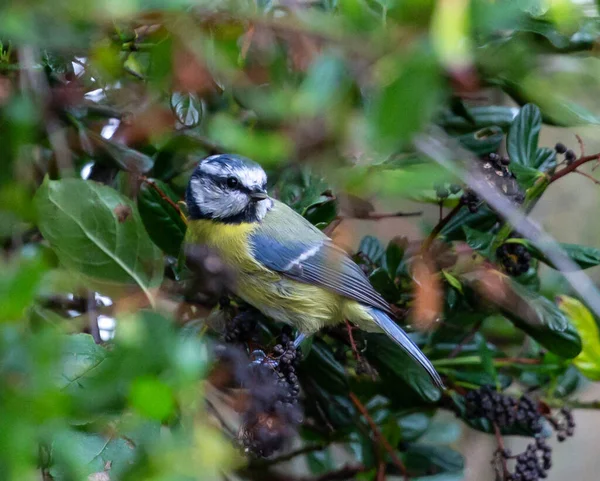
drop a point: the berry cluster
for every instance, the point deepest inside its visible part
(288, 357)
(531, 465)
(503, 410)
(570, 156)
(274, 412)
(565, 428)
(470, 199)
(514, 258)
(241, 328)
(442, 192)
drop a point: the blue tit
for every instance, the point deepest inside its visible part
(285, 267)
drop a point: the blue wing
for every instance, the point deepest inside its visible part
(287, 243)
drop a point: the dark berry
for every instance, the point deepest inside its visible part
(560, 148)
(570, 156)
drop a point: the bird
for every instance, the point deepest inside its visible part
(284, 266)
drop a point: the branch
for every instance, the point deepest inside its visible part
(379, 436)
(570, 168)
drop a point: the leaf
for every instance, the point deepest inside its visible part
(393, 257)
(407, 101)
(479, 241)
(124, 157)
(441, 477)
(20, 280)
(483, 117)
(487, 360)
(545, 159)
(98, 233)
(188, 108)
(453, 281)
(81, 355)
(161, 220)
(325, 370)
(385, 285)
(87, 453)
(483, 141)
(528, 310)
(385, 354)
(483, 219)
(584, 256)
(322, 211)
(567, 383)
(371, 248)
(526, 176)
(421, 457)
(523, 136)
(588, 361)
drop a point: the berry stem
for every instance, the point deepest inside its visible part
(501, 449)
(438, 228)
(379, 436)
(570, 168)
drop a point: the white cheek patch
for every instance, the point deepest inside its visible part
(262, 208)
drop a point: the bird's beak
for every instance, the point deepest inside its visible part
(259, 195)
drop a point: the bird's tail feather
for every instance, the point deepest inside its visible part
(401, 338)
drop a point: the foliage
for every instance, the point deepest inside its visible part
(105, 109)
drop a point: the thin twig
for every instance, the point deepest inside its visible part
(93, 317)
(465, 340)
(352, 343)
(309, 448)
(570, 168)
(165, 197)
(501, 449)
(379, 436)
(594, 180)
(438, 228)
(581, 146)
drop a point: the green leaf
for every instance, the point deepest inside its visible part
(584, 256)
(393, 257)
(588, 361)
(161, 220)
(567, 383)
(487, 360)
(483, 219)
(421, 458)
(479, 241)
(385, 354)
(322, 211)
(453, 281)
(20, 279)
(188, 109)
(384, 284)
(483, 141)
(124, 157)
(81, 355)
(407, 102)
(534, 314)
(545, 159)
(87, 453)
(491, 116)
(371, 248)
(442, 477)
(98, 233)
(526, 176)
(151, 397)
(523, 136)
(325, 370)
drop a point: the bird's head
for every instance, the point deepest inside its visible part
(228, 188)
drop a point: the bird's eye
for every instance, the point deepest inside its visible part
(232, 182)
